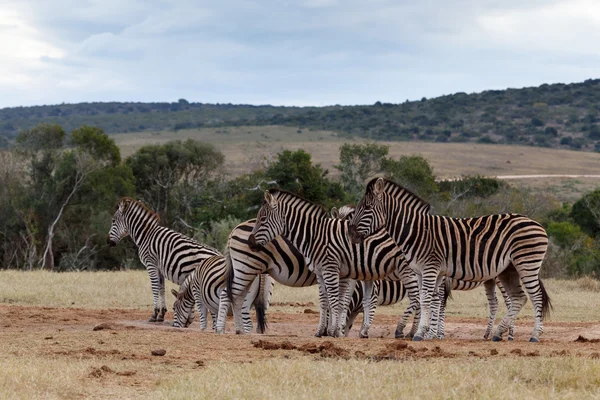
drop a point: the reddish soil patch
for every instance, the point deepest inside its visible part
(112, 336)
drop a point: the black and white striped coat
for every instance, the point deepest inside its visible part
(164, 252)
(508, 246)
(203, 287)
(326, 245)
(279, 259)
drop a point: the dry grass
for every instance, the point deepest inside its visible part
(61, 367)
(573, 300)
(508, 378)
(246, 147)
(43, 378)
(124, 289)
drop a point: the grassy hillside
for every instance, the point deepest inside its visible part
(247, 147)
(557, 115)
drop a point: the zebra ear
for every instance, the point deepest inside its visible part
(270, 199)
(378, 188)
(174, 293)
(335, 213)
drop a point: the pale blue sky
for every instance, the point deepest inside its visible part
(304, 52)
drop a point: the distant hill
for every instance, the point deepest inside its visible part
(557, 115)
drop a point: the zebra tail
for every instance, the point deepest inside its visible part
(230, 276)
(260, 305)
(447, 289)
(546, 303)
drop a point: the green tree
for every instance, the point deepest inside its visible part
(586, 213)
(169, 174)
(358, 163)
(295, 172)
(413, 172)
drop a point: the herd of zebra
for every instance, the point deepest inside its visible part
(390, 243)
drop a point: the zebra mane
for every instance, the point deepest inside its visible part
(142, 206)
(297, 196)
(399, 189)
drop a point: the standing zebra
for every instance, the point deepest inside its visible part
(385, 292)
(326, 245)
(164, 252)
(204, 285)
(392, 291)
(469, 249)
(279, 258)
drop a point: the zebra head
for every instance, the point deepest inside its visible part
(183, 310)
(118, 228)
(369, 215)
(269, 222)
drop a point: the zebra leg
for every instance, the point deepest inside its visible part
(490, 292)
(324, 319)
(238, 310)
(428, 285)
(511, 328)
(370, 297)
(349, 322)
(412, 292)
(511, 283)
(346, 287)
(214, 320)
(155, 283)
(253, 292)
(163, 304)
(435, 315)
(331, 278)
(538, 296)
(202, 311)
(224, 305)
(346, 290)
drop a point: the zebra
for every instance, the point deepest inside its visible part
(279, 258)
(385, 292)
(394, 291)
(508, 246)
(326, 245)
(164, 252)
(203, 287)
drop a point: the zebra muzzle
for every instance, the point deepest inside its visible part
(356, 236)
(253, 245)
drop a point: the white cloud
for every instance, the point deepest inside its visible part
(287, 52)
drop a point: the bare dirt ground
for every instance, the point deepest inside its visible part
(119, 344)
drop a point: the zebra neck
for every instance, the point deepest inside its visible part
(301, 230)
(410, 229)
(140, 228)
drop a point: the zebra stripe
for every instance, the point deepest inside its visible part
(203, 287)
(279, 258)
(326, 246)
(508, 246)
(164, 252)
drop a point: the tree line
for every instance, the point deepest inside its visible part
(557, 115)
(58, 191)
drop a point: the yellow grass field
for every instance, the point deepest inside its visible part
(51, 350)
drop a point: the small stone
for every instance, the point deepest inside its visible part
(494, 352)
(159, 352)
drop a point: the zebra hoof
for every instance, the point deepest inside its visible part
(510, 338)
(534, 340)
(399, 335)
(363, 335)
(152, 319)
(159, 319)
(417, 338)
(496, 338)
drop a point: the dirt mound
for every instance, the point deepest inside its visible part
(105, 371)
(266, 345)
(582, 339)
(292, 304)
